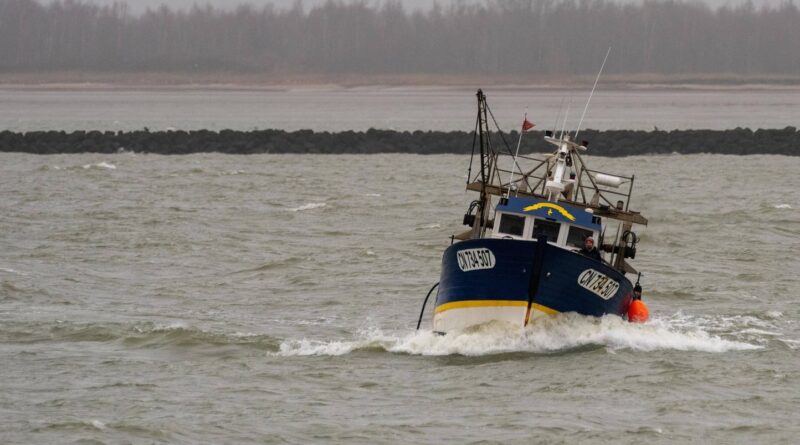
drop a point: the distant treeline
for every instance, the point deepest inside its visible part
(602, 143)
(501, 37)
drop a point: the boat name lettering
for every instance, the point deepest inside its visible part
(475, 259)
(598, 283)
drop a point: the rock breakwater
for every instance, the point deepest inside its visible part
(739, 141)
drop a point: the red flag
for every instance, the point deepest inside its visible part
(527, 125)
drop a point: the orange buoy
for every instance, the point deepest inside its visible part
(637, 312)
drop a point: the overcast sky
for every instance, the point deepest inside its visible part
(138, 6)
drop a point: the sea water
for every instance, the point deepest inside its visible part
(273, 299)
(329, 108)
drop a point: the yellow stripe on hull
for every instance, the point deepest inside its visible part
(459, 315)
(545, 309)
(491, 303)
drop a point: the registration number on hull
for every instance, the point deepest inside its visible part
(475, 259)
(598, 283)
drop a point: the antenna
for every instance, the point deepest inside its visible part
(558, 116)
(514, 166)
(566, 116)
(578, 130)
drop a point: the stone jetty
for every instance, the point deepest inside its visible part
(739, 141)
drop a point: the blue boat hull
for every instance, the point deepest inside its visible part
(491, 279)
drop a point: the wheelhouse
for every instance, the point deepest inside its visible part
(524, 218)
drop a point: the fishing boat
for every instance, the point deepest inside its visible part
(525, 253)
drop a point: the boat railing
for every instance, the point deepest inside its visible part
(528, 175)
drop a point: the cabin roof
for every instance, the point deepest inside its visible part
(541, 208)
(603, 211)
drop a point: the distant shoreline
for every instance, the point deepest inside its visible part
(94, 81)
(602, 143)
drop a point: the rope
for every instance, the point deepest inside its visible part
(419, 322)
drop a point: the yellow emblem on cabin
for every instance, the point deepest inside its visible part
(552, 206)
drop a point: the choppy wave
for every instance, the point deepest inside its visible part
(271, 265)
(103, 165)
(790, 343)
(92, 425)
(783, 206)
(77, 425)
(309, 206)
(562, 333)
(179, 334)
(144, 335)
(431, 226)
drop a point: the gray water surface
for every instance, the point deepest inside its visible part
(401, 108)
(272, 299)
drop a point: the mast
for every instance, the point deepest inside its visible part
(487, 156)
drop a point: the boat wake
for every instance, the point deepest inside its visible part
(562, 333)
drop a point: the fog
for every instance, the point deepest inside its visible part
(139, 6)
(528, 38)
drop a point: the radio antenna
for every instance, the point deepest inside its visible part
(566, 117)
(558, 116)
(578, 130)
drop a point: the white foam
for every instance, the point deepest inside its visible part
(759, 332)
(783, 206)
(309, 206)
(240, 334)
(312, 347)
(174, 326)
(316, 322)
(373, 195)
(97, 424)
(432, 226)
(774, 314)
(564, 332)
(165, 327)
(105, 165)
(10, 270)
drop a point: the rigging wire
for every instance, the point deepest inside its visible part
(508, 147)
(499, 130)
(597, 79)
(472, 156)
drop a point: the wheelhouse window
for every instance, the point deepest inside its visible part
(511, 224)
(547, 228)
(576, 236)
